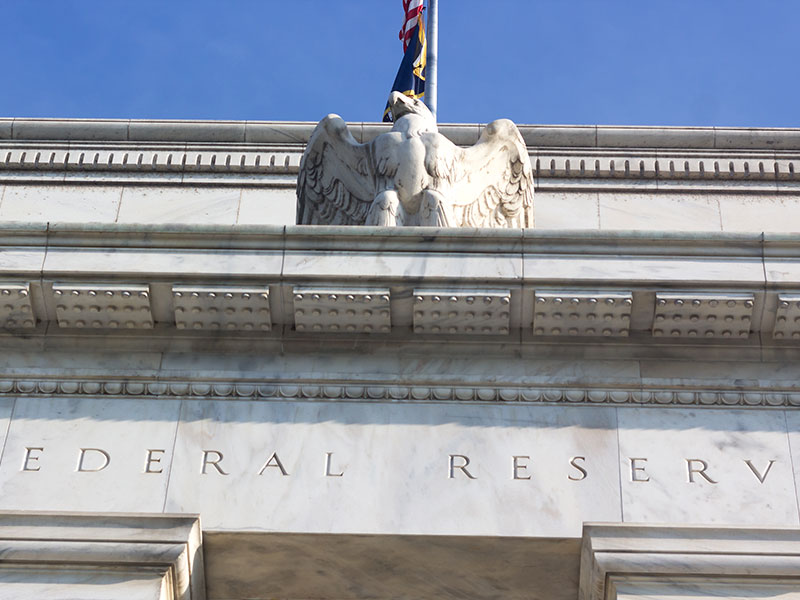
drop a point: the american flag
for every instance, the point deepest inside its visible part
(412, 8)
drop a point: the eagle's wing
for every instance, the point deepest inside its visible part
(336, 184)
(491, 183)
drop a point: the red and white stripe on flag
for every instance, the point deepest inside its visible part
(412, 9)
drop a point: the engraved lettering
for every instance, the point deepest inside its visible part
(637, 471)
(462, 467)
(214, 463)
(29, 458)
(152, 459)
(692, 470)
(758, 475)
(82, 468)
(583, 474)
(328, 472)
(517, 469)
(273, 461)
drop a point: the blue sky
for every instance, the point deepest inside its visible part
(646, 62)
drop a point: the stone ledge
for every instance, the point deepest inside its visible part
(734, 286)
(398, 240)
(277, 132)
(107, 549)
(621, 560)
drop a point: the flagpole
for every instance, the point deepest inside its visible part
(431, 68)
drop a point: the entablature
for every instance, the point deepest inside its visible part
(425, 283)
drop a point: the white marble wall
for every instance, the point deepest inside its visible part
(231, 204)
(668, 210)
(65, 584)
(44, 202)
(396, 468)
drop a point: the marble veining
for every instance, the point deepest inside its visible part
(699, 467)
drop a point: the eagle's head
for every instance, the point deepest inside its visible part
(403, 105)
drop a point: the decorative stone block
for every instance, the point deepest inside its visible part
(16, 311)
(601, 313)
(221, 308)
(787, 317)
(473, 311)
(102, 306)
(349, 310)
(690, 314)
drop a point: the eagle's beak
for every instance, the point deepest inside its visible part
(399, 104)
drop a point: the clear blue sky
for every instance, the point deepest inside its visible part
(645, 62)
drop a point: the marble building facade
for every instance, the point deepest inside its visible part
(200, 399)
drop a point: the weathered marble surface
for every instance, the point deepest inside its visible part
(266, 206)
(400, 468)
(662, 212)
(229, 199)
(622, 561)
(49, 202)
(395, 465)
(65, 584)
(99, 556)
(45, 442)
(692, 467)
(112, 198)
(179, 205)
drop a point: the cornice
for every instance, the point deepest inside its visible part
(401, 239)
(424, 281)
(268, 153)
(298, 132)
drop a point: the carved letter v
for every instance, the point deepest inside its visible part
(760, 477)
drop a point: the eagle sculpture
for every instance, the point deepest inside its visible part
(413, 175)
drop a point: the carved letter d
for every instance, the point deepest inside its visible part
(106, 460)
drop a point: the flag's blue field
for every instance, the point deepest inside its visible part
(660, 62)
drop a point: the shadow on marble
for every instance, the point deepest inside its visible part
(262, 566)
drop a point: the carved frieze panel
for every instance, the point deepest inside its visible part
(601, 313)
(348, 310)
(101, 306)
(787, 317)
(471, 311)
(689, 314)
(16, 311)
(221, 308)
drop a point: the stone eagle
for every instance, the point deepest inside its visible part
(413, 175)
